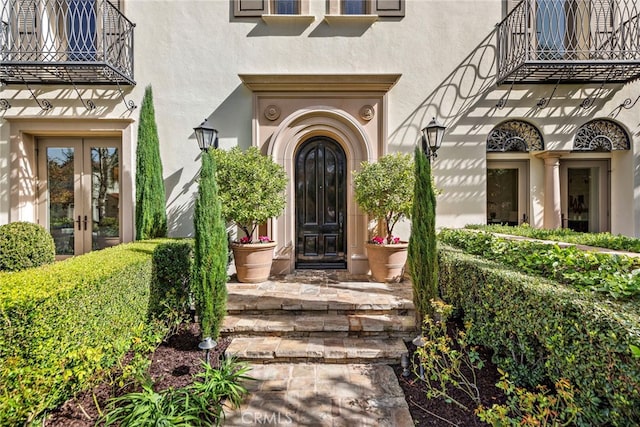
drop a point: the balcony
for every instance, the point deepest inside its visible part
(65, 41)
(570, 41)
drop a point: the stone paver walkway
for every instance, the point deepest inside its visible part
(303, 394)
(319, 343)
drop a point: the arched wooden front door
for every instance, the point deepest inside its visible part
(321, 204)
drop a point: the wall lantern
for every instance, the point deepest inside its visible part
(206, 135)
(432, 138)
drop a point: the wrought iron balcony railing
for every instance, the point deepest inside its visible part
(550, 41)
(65, 41)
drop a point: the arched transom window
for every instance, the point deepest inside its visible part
(601, 135)
(514, 135)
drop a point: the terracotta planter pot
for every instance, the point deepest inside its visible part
(387, 261)
(253, 261)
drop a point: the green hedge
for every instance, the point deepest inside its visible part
(541, 331)
(25, 245)
(170, 286)
(600, 240)
(63, 324)
(616, 275)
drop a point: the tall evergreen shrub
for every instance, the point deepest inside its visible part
(210, 263)
(151, 215)
(423, 255)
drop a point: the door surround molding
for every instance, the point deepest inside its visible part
(23, 134)
(295, 130)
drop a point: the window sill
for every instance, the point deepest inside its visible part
(350, 19)
(288, 19)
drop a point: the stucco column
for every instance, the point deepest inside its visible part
(552, 205)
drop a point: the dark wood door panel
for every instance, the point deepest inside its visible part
(320, 204)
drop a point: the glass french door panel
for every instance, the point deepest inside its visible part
(585, 195)
(60, 172)
(502, 196)
(104, 164)
(583, 199)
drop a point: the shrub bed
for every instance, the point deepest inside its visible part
(600, 240)
(62, 325)
(541, 331)
(615, 275)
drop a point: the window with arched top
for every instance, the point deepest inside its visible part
(601, 135)
(514, 135)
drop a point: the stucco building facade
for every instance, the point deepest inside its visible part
(540, 100)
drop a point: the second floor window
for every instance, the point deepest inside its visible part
(285, 7)
(354, 7)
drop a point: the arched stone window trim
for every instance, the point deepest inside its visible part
(514, 135)
(601, 135)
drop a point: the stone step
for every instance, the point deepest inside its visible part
(315, 325)
(272, 297)
(317, 350)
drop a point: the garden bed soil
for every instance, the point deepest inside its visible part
(175, 362)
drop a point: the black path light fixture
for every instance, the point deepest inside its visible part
(207, 344)
(206, 135)
(432, 138)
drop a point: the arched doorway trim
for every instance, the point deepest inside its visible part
(347, 132)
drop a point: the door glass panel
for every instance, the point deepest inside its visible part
(105, 197)
(81, 30)
(582, 207)
(502, 196)
(330, 204)
(61, 201)
(551, 27)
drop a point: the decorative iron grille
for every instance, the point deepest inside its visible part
(56, 41)
(514, 135)
(601, 135)
(570, 40)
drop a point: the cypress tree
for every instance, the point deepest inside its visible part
(211, 252)
(423, 256)
(151, 214)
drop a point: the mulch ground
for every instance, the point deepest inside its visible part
(176, 361)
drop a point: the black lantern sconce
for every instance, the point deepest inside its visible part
(432, 138)
(206, 135)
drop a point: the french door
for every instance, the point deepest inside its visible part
(79, 200)
(584, 189)
(507, 192)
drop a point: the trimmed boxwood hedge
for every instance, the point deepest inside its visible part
(25, 245)
(63, 324)
(541, 331)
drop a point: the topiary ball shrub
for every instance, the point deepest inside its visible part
(25, 245)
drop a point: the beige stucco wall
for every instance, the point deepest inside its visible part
(192, 53)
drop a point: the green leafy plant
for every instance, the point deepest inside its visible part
(448, 363)
(532, 408)
(601, 240)
(198, 404)
(251, 187)
(211, 252)
(541, 331)
(151, 215)
(64, 326)
(615, 275)
(423, 252)
(25, 245)
(384, 191)
(171, 284)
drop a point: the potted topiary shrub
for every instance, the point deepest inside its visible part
(384, 191)
(251, 188)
